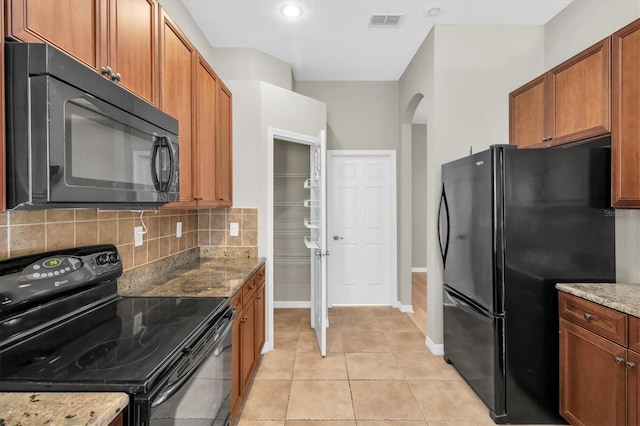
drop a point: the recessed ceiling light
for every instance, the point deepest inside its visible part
(434, 10)
(291, 10)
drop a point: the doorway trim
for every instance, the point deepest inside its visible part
(285, 135)
(332, 155)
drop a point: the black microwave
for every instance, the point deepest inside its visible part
(75, 139)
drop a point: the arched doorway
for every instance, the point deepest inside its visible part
(415, 142)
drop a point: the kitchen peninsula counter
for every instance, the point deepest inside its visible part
(621, 297)
(202, 277)
(60, 408)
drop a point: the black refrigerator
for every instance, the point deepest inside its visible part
(513, 223)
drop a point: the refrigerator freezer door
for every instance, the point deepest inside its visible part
(473, 344)
(468, 190)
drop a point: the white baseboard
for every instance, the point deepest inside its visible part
(434, 348)
(290, 305)
(418, 269)
(405, 308)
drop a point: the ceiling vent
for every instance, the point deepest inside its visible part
(385, 20)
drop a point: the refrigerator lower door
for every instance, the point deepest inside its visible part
(473, 344)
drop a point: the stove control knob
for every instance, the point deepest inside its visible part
(113, 258)
(102, 259)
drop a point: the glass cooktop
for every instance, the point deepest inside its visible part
(127, 341)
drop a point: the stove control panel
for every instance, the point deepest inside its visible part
(33, 279)
(52, 267)
(61, 265)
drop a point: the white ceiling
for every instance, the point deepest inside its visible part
(332, 39)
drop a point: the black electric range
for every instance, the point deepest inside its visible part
(64, 328)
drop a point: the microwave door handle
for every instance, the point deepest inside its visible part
(173, 164)
(161, 184)
(154, 155)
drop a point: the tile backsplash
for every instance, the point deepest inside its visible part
(25, 232)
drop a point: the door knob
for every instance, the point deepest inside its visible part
(337, 237)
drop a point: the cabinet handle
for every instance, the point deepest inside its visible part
(587, 316)
(116, 77)
(630, 365)
(106, 71)
(198, 198)
(259, 298)
(243, 319)
(619, 360)
(220, 199)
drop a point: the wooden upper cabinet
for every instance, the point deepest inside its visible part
(567, 104)
(224, 148)
(527, 117)
(133, 26)
(117, 38)
(206, 95)
(625, 134)
(581, 95)
(73, 26)
(177, 71)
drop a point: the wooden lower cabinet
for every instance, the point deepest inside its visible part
(118, 421)
(248, 336)
(592, 384)
(599, 378)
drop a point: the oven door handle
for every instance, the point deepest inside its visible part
(172, 388)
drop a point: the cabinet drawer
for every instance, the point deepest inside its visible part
(599, 319)
(260, 275)
(249, 287)
(236, 301)
(634, 334)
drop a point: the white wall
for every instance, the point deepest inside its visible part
(250, 64)
(419, 196)
(584, 23)
(360, 115)
(580, 25)
(465, 74)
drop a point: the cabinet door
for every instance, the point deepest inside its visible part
(259, 321)
(73, 26)
(236, 341)
(206, 93)
(177, 65)
(133, 30)
(633, 385)
(247, 345)
(224, 148)
(527, 114)
(625, 134)
(592, 378)
(581, 96)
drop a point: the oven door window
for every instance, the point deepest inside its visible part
(204, 398)
(107, 153)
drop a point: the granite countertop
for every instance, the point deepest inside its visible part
(203, 277)
(621, 297)
(57, 408)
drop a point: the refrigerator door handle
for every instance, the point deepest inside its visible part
(444, 249)
(452, 299)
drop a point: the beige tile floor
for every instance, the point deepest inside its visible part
(377, 372)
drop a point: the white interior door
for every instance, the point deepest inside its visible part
(317, 240)
(362, 223)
